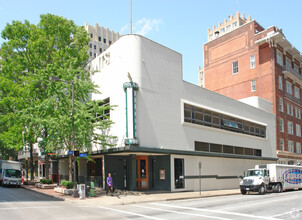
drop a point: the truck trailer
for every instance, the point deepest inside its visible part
(10, 173)
(272, 178)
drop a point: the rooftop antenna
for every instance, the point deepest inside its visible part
(130, 16)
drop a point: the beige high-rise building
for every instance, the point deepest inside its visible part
(100, 39)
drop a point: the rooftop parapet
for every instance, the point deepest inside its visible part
(227, 25)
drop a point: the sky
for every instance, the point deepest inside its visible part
(179, 25)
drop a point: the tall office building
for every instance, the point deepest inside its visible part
(100, 39)
(242, 59)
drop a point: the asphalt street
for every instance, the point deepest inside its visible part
(16, 203)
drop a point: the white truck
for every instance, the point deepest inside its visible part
(272, 177)
(10, 173)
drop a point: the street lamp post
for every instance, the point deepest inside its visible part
(75, 191)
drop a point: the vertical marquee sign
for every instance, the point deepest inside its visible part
(130, 89)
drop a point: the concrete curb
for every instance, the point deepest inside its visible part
(110, 201)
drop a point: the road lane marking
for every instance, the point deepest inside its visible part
(294, 211)
(129, 213)
(183, 213)
(216, 211)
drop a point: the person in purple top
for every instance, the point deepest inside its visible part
(109, 184)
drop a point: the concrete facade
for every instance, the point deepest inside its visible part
(152, 123)
(100, 39)
(252, 61)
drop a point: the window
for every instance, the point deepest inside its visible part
(235, 24)
(298, 130)
(297, 92)
(296, 112)
(281, 125)
(253, 85)
(288, 63)
(100, 50)
(226, 149)
(280, 83)
(222, 30)
(110, 42)
(296, 67)
(216, 148)
(90, 45)
(211, 37)
(228, 28)
(91, 35)
(204, 117)
(94, 55)
(100, 39)
(290, 146)
(290, 127)
(104, 113)
(104, 40)
(299, 113)
(90, 53)
(289, 88)
(252, 61)
(279, 58)
(202, 146)
(298, 148)
(235, 67)
(281, 104)
(281, 144)
(179, 174)
(291, 110)
(288, 108)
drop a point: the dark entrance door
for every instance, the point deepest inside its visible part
(142, 175)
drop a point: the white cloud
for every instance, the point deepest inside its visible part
(143, 26)
(124, 29)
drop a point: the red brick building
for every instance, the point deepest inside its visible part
(248, 60)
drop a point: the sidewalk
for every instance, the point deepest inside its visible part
(128, 197)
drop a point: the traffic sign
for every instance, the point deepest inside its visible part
(82, 155)
(70, 152)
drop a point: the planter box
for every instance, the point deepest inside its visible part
(68, 191)
(59, 190)
(63, 190)
(46, 186)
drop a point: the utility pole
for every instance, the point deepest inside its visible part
(130, 16)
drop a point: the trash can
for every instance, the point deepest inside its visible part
(87, 189)
(92, 189)
(81, 190)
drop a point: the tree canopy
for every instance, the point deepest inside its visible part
(31, 105)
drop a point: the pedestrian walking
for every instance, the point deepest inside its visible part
(109, 184)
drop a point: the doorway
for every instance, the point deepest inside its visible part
(142, 174)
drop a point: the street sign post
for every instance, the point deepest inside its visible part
(199, 178)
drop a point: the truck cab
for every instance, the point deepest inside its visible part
(255, 180)
(10, 173)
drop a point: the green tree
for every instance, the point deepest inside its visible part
(32, 54)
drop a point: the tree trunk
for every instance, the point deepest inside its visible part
(31, 156)
(46, 158)
(70, 167)
(46, 165)
(26, 167)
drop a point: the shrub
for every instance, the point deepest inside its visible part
(46, 181)
(67, 184)
(49, 181)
